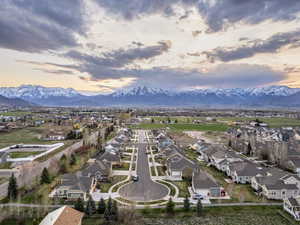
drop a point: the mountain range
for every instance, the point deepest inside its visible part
(142, 96)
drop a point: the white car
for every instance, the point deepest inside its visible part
(198, 197)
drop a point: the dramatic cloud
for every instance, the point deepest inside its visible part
(218, 14)
(270, 45)
(224, 75)
(39, 25)
(222, 13)
(110, 64)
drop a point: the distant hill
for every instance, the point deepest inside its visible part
(14, 102)
(142, 96)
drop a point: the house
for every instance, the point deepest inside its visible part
(204, 184)
(74, 186)
(63, 216)
(110, 157)
(292, 206)
(277, 185)
(242, 172)
(294, 164)
(3, 157)
(100, 170)
(179, 167)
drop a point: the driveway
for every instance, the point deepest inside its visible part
(144, 189)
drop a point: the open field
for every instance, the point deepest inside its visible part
(273, 122)
(15, 155)
(185, 127)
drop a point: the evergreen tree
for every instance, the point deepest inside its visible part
(90, 207)
(45, 177)
(108, 210)
(199, 208)
(73, 159)
(101, 206)
(229, 143)
(114, 211)
(170, 206)
(79, 205)
(186, 204)
(12, 190)
(63, 158)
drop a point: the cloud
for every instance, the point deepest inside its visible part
(39, 25)
(223, 76)
(111, 64)
(218, 14)
(270, 45)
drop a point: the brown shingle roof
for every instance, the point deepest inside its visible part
(69, 216)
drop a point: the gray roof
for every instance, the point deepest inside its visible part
(246, 169)
(77, 182)
(3, 154)
(179, 163)
(109, 157)
(294, 201)
(295, 161)
(203, 180)
(97, 166)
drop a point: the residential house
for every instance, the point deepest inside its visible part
(74, 186)
(294, 164)
(292, 206)
(110, 157)
(204, 184)
(179, 167)
(100, 170)
(277, 185)
(63, 216)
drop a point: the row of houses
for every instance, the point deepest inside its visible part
(99, 169)
(270, 182)
(179, 167)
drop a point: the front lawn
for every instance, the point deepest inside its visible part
(124, 166)
(104, 187)
(183, 188)
(15, 155)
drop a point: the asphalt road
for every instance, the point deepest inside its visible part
(144, 189)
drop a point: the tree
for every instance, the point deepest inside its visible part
(45, 177)
(152, 120)
(170, 206)
(186, 204)
(199, 208)
(249, 149)
(108, 210)
(12, 190)
(90, 207)
(229, 143)
(73, 159)
(101, 206)
(79, 205)
(114, 211)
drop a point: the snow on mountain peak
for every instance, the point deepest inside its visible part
(37, 91)
(140, 91)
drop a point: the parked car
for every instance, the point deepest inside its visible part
(135, 178)
(198, 196)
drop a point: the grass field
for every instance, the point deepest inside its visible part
(183, 188)
(15, 155)
(246, 215)
(104, 187)
(273, 122)
(185, 127)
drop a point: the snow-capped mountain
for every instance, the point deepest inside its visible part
(36, 92)
(141, 91)
(273, 96)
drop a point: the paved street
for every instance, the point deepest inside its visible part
(144, 189)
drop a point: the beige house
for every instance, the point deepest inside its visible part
(292, 206)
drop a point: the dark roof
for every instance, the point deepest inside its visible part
(97, 166)
(179, 163)
(203, 180)
(294, 202)
(77, 182)
(246, 169)
(109, 157)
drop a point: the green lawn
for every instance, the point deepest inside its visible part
(125, 166)
(104, 187)
(273, 122)
(15, 155)
(185, 127)
(183, 188)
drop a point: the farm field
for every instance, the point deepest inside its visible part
(185, 127)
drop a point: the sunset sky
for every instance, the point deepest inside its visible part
(104, 45)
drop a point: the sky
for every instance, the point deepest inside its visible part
(105, 45)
